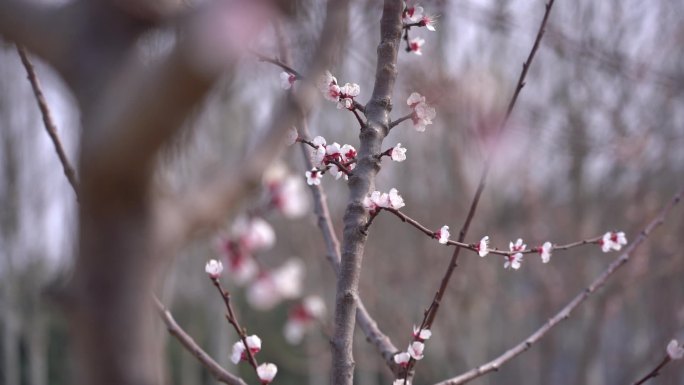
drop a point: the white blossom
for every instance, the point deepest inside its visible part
(214, 268)
(395, 200)
(613, 241)
(398, 153)
(545, 251)
(287, 80)
(675, 351)
(415, 350)
(266, 372)
(313, 177)
(416, 45)
(421, 334)
(483, 246)
(402, 358)
(443, 235)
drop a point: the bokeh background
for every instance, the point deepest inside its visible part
(596, 143)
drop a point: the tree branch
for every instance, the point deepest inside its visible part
(360, 184)
(50, 126)
(216, 370)
(564, 313)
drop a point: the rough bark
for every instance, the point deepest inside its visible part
(360, 184)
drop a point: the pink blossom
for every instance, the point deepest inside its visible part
(313, 177)
(398, 153)
(348, 153)
(545, 252)
(422, 116)
(255, 234)
(273, 287)
(514, 260)
(443, 235)
(402, 359)
(395, 200)
(421, 334)
(214, 268)
(254, 345)
(483, 246)
(675, 351)
(415, 45)
(287, 80)
(288, 196)
(412, 14)
(428, 22)
(414, 99)
(266, 372)
(415, 350)
(302, 316)
(613, 241)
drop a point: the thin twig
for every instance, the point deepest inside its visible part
(49, 123)
(230, 316)
(656, 371)
(400, 120)
(564, 313)
(431, 312)
(216, 370)
(473, 247)
(280, 64)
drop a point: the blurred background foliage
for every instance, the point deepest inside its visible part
(595, 144)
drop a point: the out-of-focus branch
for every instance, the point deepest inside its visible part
(565, 312)
(49, 123)
(208, 206)
(360, 184)
(216, 370)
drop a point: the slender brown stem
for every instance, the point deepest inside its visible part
(230, 316)
(431, 312)
(400, 120)
(565, 312)
(656, 371)
(280, 64)
(473, 247)
(49, 123)
(216, 370)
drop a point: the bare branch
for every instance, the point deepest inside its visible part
(360, 184)
(564, 313)
(656, 371)
(50, 126)
(434, 307)
(216, 370)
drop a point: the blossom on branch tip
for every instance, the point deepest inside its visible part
(428, 22)
(421, 334)
(415, 350)
(313, 177)
(348, 153)
(302, 316)
(402, 359)
(545, 252)
(613, 241)
(319, 141)
(343, 96)
(266, 372)
(288, 196)
(401, 381)
(415, 45)
(443, 235)
(239, 353)
(214, 268)
(414, 99)
(483, 246)
(395, 200)
(675, 351)
(275, 286)
(398, 153)
(287, 80)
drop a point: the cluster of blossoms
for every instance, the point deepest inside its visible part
(613, 241)
(274, 286)
(414, 16)
(377, 200)
(266, 371)
(336, 159)
(343, 96)
(422, 113)
(416, 348)
(247, 237)
(302, 316)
